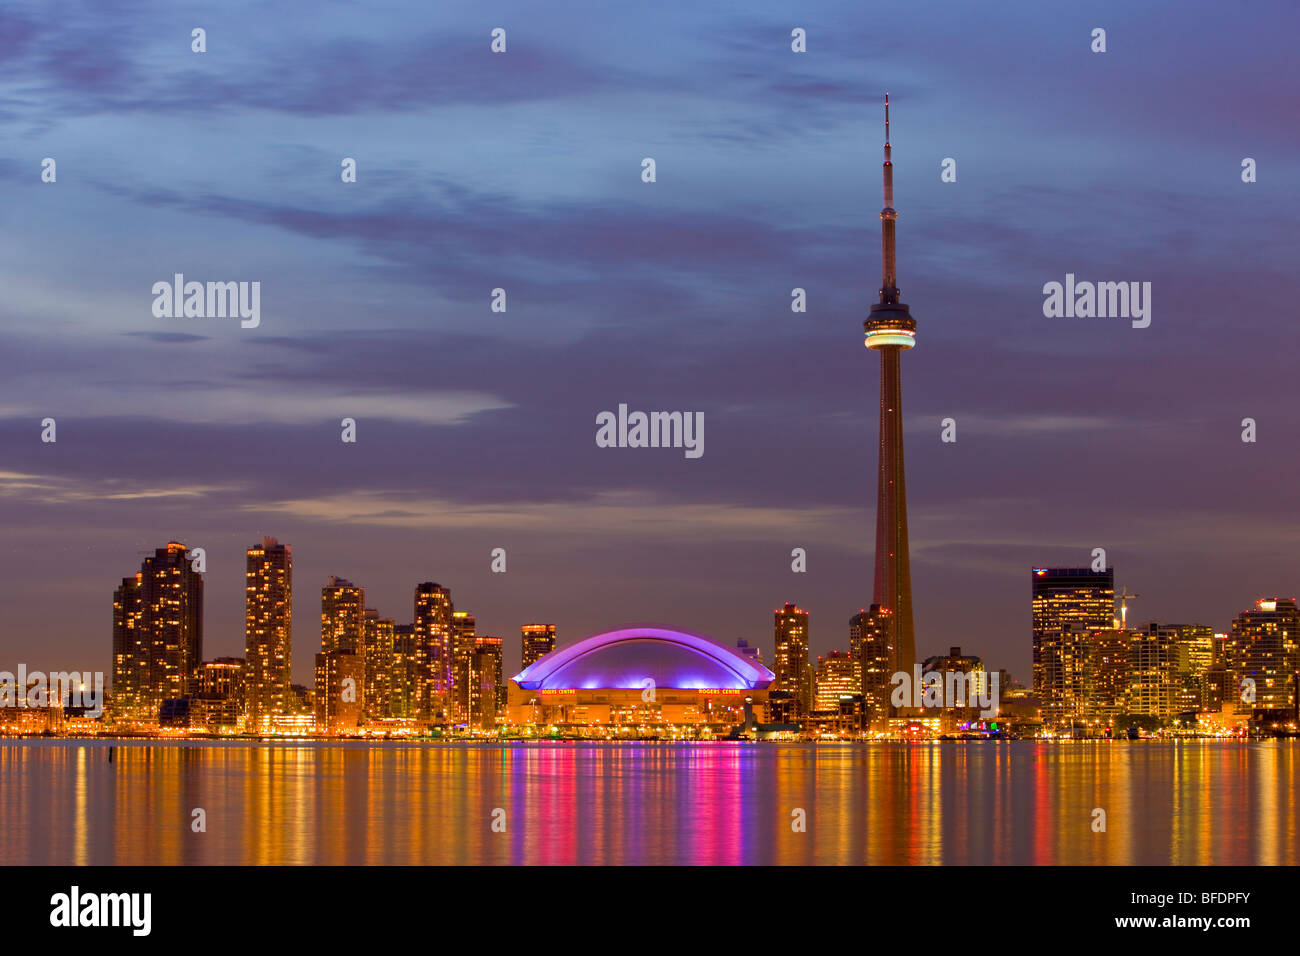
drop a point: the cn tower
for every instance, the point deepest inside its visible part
(889, 331)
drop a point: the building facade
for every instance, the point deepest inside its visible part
(537, 640)
(869, 635)
(380, 664)
(838, 677)
(1068, 603)
(157, 633)
(433, 637)
(790, 660)
(268, 631)
(1264, 648)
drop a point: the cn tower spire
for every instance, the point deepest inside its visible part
(891, 331)
(888, 269)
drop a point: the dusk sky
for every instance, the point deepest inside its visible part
(522, 170)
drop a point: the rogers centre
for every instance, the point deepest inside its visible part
(638, 680)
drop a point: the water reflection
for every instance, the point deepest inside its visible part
(1192, 802)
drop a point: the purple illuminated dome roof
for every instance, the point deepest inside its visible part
(626, 658)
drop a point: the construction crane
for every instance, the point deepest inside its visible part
(1124, 598)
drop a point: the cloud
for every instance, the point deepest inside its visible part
(607, 514)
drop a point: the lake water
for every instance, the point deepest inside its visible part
(1013, 802)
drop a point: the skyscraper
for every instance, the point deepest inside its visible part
(790, 660)
(462, 662)
(1152, 671)
(1194, 648)
(341, 663)
(1068, 603)
(537, 641)
(380, 641)
(890, 330)
(432, 631)
(130, 649)
(838, 676)
(487, 687)
(164, 608)
(404, 676)
(869, 645)
(342, 616)
(1264, 647)
(268, 631)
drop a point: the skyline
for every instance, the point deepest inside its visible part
(1088, 666)
(1115, 604)
(476, 429)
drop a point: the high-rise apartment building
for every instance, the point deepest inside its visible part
(538, 640)
(433, 632)
(342, 616)
(341, 664)
(1194, 655)
(869, 644)
(130, 650)
(157, 633)
(1152, 671)
(404, 676)
(1105, 684)
(790, 659)
(462, 662)
(1264, 647)
(487, 685)
(268, 631)
(380, 660)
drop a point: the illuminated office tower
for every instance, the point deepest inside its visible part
(869, 645)
(538, 640)
(462, 665)
(171, 625)
(340, 691)
(1152, 671)
(487, 695)
(1106, 682)
(838, 676)
(342, 617)
(1264, 646)
(130, 650)
(1194, 648)
(268, 631)
(891, 330)
(1067, 603)
(403, 679)
(380, 659)
(790, 660)
(433, 629)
